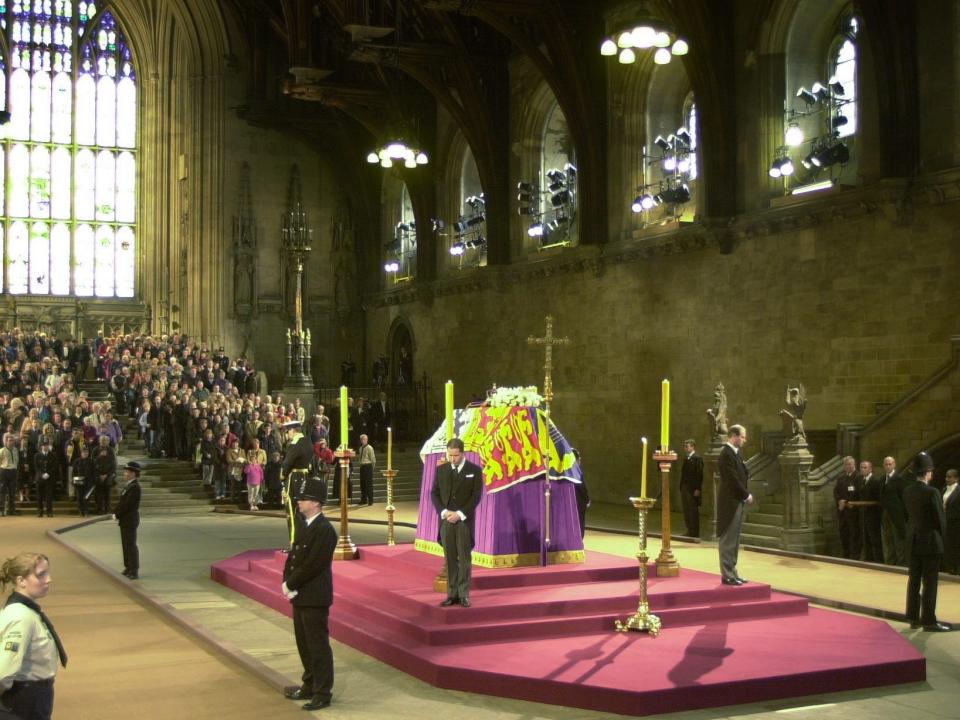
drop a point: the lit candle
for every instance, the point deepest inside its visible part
(665, 415)
(449, 408)
(643, 470)
(389, 448)
(344, 416)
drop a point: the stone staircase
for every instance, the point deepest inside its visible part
(764, 523)
(406, 485)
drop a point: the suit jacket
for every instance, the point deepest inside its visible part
(691, 474)
(458, 491)
(46, 464)
(951, 539)
(847, 487)
(308, 569)
(127, 508)
(872, 490)
(926, 521)
(732, 490)
(891, 500)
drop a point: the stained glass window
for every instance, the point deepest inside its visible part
(68, 157)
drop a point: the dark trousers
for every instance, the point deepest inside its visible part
(31, 700)
(922, 606)
(313, 643)
(728, 545)
(366, 484)
(101, 495)
(45, 490)
(8, 491)
(691, 513)
(335, 490)
(872, 538)
(457, 545)
(83, 498)
(849, 527)
(131, 553)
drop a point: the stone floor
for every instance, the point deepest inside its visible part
(177, 551)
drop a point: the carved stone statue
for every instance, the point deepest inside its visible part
(718, 414)
(792, 416)
(244, 250)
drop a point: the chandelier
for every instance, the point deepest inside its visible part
(625, 43)
(397, 151)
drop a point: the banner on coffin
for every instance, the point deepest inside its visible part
(513, 443)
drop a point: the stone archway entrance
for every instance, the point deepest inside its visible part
(401, 356)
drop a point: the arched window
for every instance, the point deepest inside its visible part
(468, 246)
(558, 181)
(68, 154)
(843, 70)
(690, 123)
(400, 249)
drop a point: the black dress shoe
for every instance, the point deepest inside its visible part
(464, 602)
(449, 601)
(133, 576)
(741, 581)
(317, 704)
(295, 692)
(125, 573)
(938, 627)
(914, 626)
(732, 581)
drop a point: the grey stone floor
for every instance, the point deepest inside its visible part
(176, 553)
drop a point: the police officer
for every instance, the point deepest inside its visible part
(127, 515)
(308, 585)
(29, 646)
(295, 467)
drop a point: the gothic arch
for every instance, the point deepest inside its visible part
(399, 335)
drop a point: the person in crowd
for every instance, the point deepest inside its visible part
(367, 460)
(951, 509)
(733, 497)
(872, 514)
(9, 469)
(30, 649)
(691, 484)
(849, 487)
(271, 479)
(46, 474)
(105, 460)
(84, 479)
(893, 522)
(253, 472)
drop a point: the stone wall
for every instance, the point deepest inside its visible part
(859, 309)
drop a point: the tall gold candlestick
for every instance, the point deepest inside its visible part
(345, 549)
(643, 472)
(448, 409)
(665, 416)
(389, 448)
(667, 565)
(390, 474)
(642, 620)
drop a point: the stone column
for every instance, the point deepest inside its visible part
(795, 462)
(711, 480)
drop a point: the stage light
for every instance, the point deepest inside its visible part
(836, 87)
(808, 97)
(684, 165)
(627, 56)
(670, 163)
(677, 195)
(680, 47)
(457, 248)
(556, 175)
(662, 56)
(662, 144)
(786, 169)
(662, 40)
(608, 47)
(794, 135)
(392, 266)
(556, 186)
(571, 171)
(683, 135)
(820, 91)
(637, 204)
(373, 158)
(386, 163)
(813, 187)
(561, 198)
(625, 39)
(643, 36)
(775, 166)
(838, 121)
(535, 230)
(421, 158)
(526, 187)
(832, 155)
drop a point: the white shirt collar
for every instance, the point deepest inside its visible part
(733, 447)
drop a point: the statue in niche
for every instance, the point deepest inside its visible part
(344, 261)
(718, 414)
(244, 249)
(792, 416)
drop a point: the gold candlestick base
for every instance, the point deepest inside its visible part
(667, 565)
(642, 620)
(345, 549)
(390, 474)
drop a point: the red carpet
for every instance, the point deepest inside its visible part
(546, 634)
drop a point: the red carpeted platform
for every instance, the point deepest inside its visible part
(546, 634)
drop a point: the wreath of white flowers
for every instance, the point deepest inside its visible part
(515, 397)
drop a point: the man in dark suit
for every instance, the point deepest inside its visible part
(926, 525)
(872, 514)
(457, 490)
(46, 473)
(951, 508)
(308, 585)
(732, 499)
(583, 496)
(691, 483)
(848, 487)
(893, 523)
(127, 514)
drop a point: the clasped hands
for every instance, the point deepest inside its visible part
(451, 516)
(287, 592)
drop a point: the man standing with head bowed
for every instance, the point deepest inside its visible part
(457, 490)
(951, 508)
(691, 484)
(732, 499)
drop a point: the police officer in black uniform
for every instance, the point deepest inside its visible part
(295, 467)
(127, 515)
(308, 584)
(46, 473)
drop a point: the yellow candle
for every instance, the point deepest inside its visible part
(643, 471)
(389, 448)
(344, 418)
(665, 415)
(449, 408)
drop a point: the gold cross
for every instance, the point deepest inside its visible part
(548, 341)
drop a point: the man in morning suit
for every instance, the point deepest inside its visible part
(732, 499)
(848, 487)
(691, 484)
(127, 515)
(951, 508)
(893, 524)
(308, 585)
(456, 493)
(926, 525)
(872, 514)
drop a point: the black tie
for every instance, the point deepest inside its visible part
(17, 597)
